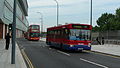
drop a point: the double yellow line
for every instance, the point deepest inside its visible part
(27, 59)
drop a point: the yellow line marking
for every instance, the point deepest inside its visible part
(27, 59)
(104, 54)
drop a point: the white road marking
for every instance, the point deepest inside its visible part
(93, 63)
(50, 48)
(43, 46)
(63, 53)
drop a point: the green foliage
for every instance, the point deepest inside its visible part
(118, 14)
(108, 21)
(95, 29)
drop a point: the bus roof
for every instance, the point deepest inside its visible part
(70, 26)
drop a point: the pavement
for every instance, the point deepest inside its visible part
(5, 57)
(111, 49)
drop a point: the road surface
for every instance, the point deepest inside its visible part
(39, 55)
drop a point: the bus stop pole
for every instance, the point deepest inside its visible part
(13, 34)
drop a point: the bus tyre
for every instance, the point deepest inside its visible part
(80, 50)
(49, 43)
(61, 46)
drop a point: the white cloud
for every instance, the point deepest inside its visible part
(36, 3)
(70, 10)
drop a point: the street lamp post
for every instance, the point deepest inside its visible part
(41, 21)
(57, 12)
(91, 14)
(91, 18)
(13, 34)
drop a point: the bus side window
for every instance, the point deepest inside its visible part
(65, 33)
(60, 33)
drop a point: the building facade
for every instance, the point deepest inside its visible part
(6, 17)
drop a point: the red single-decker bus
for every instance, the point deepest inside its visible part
(70, 37)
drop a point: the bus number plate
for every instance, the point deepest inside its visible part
(80, 48)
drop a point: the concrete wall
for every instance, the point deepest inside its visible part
(21, 20)
(1, 7)
(6, 16)
(24, 6)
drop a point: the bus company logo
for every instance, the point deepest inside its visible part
(80, 43)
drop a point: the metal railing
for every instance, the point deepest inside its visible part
(116, 42)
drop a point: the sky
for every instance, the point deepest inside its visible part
(70, 11)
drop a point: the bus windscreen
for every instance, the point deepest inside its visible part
(34, 34)
(79, 34)
(35, 27)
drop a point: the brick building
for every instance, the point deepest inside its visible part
(6, 17)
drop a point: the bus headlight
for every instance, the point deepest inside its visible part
(89, 44)
(71, 45)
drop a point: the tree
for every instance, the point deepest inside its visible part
(95, 29)
(117, 18)
(108, 21)
(118, 14)
(105, 21)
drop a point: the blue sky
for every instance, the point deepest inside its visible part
(70, 11)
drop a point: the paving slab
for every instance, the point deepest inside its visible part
(5, 57)
(107, 48)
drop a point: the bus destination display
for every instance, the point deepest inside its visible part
(80, 26)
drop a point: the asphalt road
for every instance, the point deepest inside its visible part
(41, 55)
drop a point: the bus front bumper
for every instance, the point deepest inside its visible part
(34, 38)
(77, 47)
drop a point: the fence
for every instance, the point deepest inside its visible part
(110, 37)
(116, 42)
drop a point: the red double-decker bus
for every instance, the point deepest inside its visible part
(70, 37)
(33, 32)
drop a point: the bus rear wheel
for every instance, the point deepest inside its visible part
(61, 46)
